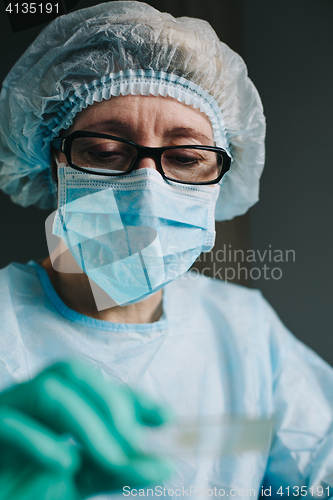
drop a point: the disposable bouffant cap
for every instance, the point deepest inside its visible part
(121, 48)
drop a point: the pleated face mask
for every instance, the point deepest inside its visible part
(133, 235)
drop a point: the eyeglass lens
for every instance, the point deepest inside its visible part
(183, 164)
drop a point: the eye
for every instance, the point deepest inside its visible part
(183, 158)
(103, 155)
(93, 153)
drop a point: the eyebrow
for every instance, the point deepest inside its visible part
(188, 132)
(114, 125)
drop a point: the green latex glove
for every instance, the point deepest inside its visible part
(106, 422)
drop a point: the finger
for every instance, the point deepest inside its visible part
(52, 402)
(93, 390)
(141, 471)
(151, 413)
(21, 435)
(120, 405)
(65, 410)
(122, 408)
(151, 469)
(29, 482)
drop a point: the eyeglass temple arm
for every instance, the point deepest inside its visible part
(58, 143)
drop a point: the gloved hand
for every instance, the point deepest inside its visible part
(106, 422)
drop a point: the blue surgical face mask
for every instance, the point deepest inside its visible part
(134, 234)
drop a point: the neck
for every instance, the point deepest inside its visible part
(75, 291)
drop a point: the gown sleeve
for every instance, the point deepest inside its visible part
(302, 447)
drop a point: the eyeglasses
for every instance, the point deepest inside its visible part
(102, 154)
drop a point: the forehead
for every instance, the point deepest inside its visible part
(154, 114)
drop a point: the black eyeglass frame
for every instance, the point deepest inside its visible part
(64, 144)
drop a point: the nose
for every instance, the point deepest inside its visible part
(146, 163)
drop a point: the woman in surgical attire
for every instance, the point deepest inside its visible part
(140, 130)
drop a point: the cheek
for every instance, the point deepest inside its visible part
(61, 157)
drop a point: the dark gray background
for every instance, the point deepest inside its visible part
(288, 47)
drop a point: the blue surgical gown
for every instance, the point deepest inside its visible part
(218, 349)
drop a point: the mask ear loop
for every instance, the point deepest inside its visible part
(59, 211)
(61, 258)
(58, 165)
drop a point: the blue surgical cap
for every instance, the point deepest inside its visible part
(121, 48)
